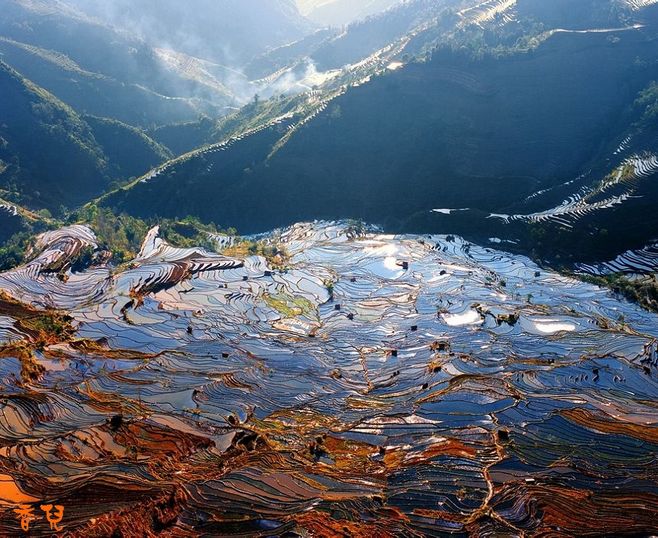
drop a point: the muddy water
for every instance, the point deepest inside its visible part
(379, 386)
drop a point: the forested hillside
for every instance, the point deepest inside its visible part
(48, 153)
(456, 131)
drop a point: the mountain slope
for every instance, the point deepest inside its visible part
(130, 152)
(49, 154)
(415, 27)
(452, 132)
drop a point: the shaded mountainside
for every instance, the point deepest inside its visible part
(453, 132)
(95, 93)
(129, 150)
(186, 136)
(51, 157)
(415, 27)
(49, 154)
(363, 41)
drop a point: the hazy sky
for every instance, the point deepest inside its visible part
(339, 12)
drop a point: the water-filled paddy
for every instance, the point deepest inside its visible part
(379, 385)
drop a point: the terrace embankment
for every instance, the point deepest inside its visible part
(370, 386)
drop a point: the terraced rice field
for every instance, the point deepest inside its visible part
(615, 189)
(482, 12)
(639, 4)
(641, 261)
(376, 386)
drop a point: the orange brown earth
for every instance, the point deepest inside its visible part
(374, 386)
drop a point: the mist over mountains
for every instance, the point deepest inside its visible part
(224, 32)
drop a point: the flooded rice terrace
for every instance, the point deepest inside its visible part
(374, 386)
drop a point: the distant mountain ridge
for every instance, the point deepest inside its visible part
(99, 70)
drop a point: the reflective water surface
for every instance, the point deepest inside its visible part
(378, 386)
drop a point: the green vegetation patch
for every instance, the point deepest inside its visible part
(276, 255)
(647, 101)
(289, 306)
(122, 235)
(642, 290)
(48, 327)
(190, 232)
